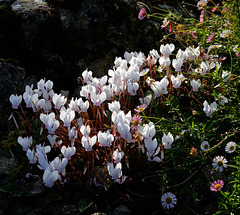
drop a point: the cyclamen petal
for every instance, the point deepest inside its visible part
(115, 172)
(167, 140)
(15, 100)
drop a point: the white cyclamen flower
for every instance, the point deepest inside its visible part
(105, 138)
(59, 165)
(67, 116)
(114, 172)
(168, 200)
(209, 109)
(177, 64)
(50, 122)
(49, 177)
(87, 76)
(59, 101)
(88, 142)
(225, 76)
(117, 156)
(68, 152)
(177, 81)
(151, 146)
(223, 100)
(167, 49)
(167, 140)
(25, 142)
(85, 130)
(146, 100)
(31, 156)
(149, 131)
(114, 106)
(52, 139)
(195, 85)
(15, 100)
(219, 162)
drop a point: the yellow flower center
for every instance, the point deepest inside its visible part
(220, 163)
(202, 4)
(136, 137)
(231, 148)
(217, 186)
(205, 146)
(140, 109)
(162, 66)
(168, 200)
(135, 123)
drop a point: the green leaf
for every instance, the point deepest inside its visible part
(14, 189)
(53, 197)
(84, 204)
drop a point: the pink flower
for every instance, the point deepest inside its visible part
(201, 16)
(237, 54)
(210, 37)
(136, 120)
(217, 185)
(142, 14)
(215, 8)
(170, 27)
(222, 58)
(194, 34)
(140, 108)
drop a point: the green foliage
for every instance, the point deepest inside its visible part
(185, 169)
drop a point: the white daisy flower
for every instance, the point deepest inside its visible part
(168, 200)
(230, 147)
(205, 146)
(219, 162)
(225, 33)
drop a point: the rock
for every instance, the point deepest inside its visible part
(33, 187)
(11, 82)
(121, 210)
(67, 209)
(7, 165)
(54, 38)
(99, 213)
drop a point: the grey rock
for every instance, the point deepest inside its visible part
(121, 210)
(7, 165)
(67, 209)
(99, 213)
(11, 82)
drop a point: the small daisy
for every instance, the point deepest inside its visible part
(142, 14)
(193, 152)
(168, 200)
(165, 23)
(230, 147)
(136, 120)
(201, 4)
(217, 185)
(205, 146)
(219, 162)
(140, 108)
(225, 33)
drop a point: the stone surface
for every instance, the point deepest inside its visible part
(11, 82)
(7, 165)
(121, 210)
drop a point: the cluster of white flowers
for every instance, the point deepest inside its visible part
(58, 115)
